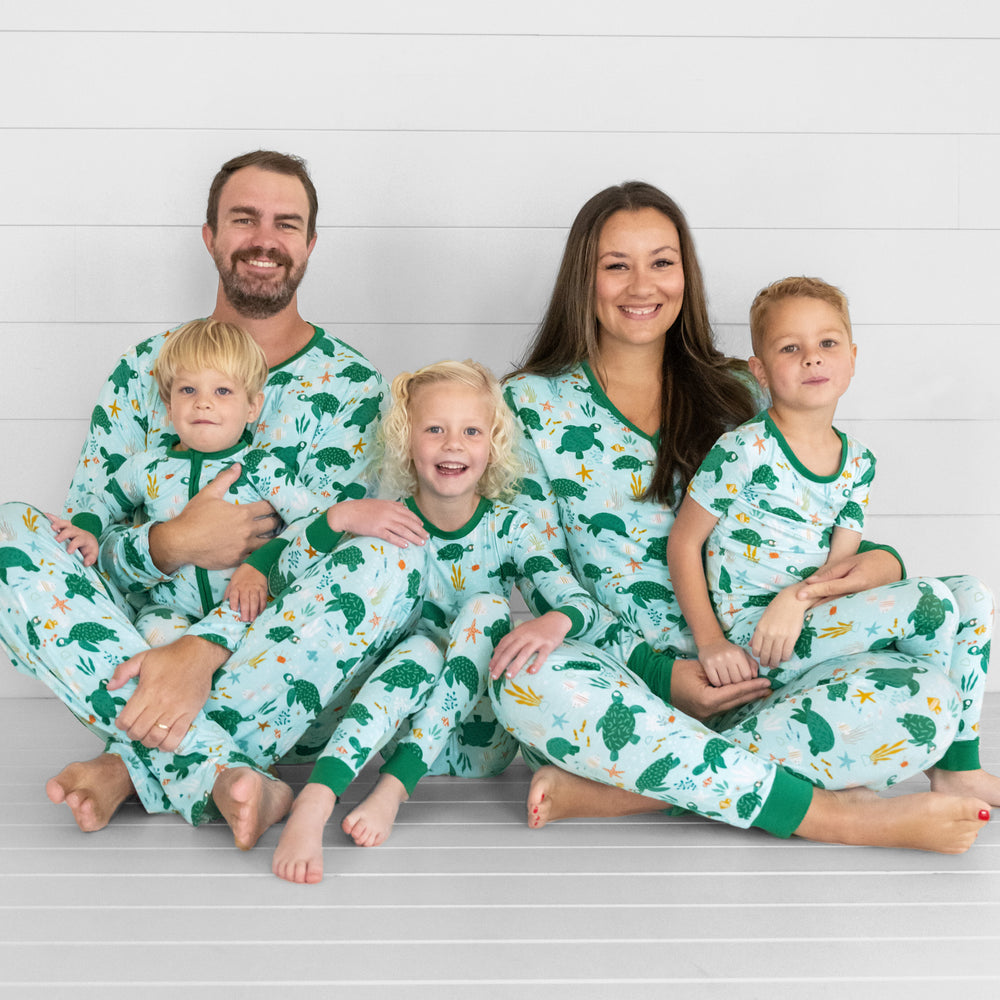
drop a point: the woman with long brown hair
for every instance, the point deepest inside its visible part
(621, 397)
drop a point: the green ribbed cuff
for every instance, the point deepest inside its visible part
(962, 755)
(89, 522)
(786, 804)
(333, 773)
(655, 669)
(576, 621)
(321, 536)
(405, 767)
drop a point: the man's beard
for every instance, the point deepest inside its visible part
(259, 298)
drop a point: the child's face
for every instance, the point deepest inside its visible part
(807, 359)
(449, 439)
(209, 409)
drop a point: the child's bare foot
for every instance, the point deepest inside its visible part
(929, 821)
(370, 822)
(93, 789)
(250, 803)
(299, 854)
(557, 794)
(978, 783)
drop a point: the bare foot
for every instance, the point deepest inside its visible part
(557, 794)
(299, 854)
(93, 789)
(250, 803)
(370, 822)
(929, 821)
(979, 783)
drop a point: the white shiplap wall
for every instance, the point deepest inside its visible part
(452, 143)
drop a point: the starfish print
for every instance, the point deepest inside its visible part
(547, 406)
(846, 761)
(326, 377)
(60, 603)
(613, 772)
(311, 552)
(864, 696)
(550, 532)
(558, 721)
(633, 565)
(759, 443)
(471, 632)
(359, 447)
(374, 620)
(584, 473)
(114, 409)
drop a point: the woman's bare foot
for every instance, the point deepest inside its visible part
(93, 790)
(929, 821)
(250, 803)
(370, 822)
(556, 794)
(978, 783)
(299, 854)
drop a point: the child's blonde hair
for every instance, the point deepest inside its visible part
(792, 288)
(504, 469)
(212, 343)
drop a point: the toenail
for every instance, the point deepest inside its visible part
(984, 815)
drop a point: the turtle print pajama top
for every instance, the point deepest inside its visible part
(436, 676)
(71, 627)
(846, 722)
(160, 482)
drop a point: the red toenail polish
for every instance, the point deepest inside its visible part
(984, 815)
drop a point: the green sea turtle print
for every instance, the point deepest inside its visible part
(656, 549)
(604, 522)
(280, 633)
(821, 738)
(579, 440)
(320, 403)
(628, 462)
(183, 762)
(715, 459)
(80, 586)
(357, 372)
(359, 713)
(922, 730)
(764, 475)
(929, 614)
(352, 607)
(351, 557)
(452, 552)
(477, 731)
(104, 703)
(228, 718)
(651, 780)
(100, 420)
(365, 412)
(617, 725)
(332, 458)
(303, 692)
(895, 677)
(712, 757)
(405, 674)
(462, 669)
(559, 748)
(787, 512)
(11, 558)
(530, 418)
(645, 590)
(88, 633)
(567, 488)
(531, 489)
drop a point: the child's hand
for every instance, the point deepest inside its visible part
(76, 539)
(726, 663)
(389, 520)
(779, 627)
(536, 638)
(247, 592)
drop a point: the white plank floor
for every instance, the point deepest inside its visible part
(465, 901)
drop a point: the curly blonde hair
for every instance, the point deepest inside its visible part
(396, 473)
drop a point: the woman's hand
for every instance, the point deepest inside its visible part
(390, 520)
(536, 638)
(862, 571)
(692, 694)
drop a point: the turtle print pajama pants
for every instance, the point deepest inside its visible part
(947, 623)
(313, 646)
(420, 694)
(865, 719)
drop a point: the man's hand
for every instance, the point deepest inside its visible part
(174, 684)
(861, 571)
(210, 531)
(691, 693)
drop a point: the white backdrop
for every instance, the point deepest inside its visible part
(452, 143)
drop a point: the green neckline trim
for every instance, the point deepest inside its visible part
(602, 397)
(317, 334)
(436, 532)
(793, 458)
(246, 439)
